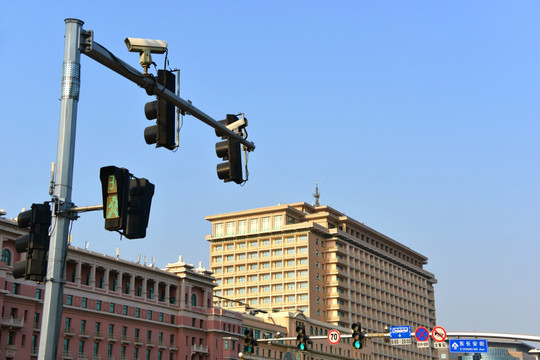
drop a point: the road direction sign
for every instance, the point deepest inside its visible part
(468, 345)
(421, 334)
(438, 334)
(400, 332)
(333, 337)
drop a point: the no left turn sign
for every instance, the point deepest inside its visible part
(438, 334)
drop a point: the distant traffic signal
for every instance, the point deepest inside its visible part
(163, 133)
(302, 340)
(35, 243)
(249, 342)
(126, 202)
(357, 336)
(230, 151)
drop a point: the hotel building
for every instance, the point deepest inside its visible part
(332, 268)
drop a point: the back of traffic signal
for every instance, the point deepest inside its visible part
(35, 244)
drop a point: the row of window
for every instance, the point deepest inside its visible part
(265, 265)
(263, 254)
(126, 310)
(241, 226)
(256, 243)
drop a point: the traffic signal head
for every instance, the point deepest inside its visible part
(249, 342)
(163, 133)
(230, 151)
(357, 335)
(140, 200)
(35, 243)
(115, 193)
(126, 202)
(301, 338)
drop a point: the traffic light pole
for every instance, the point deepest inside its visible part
(103, 56)
(55, 279)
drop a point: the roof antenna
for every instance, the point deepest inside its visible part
(316, 195)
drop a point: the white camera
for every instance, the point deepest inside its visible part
(146, 47)
(141, 45)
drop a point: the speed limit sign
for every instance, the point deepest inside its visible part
(333, 337)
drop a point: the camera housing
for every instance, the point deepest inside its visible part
(141, 45)
(146, 47)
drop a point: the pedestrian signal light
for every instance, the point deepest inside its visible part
(115, 192)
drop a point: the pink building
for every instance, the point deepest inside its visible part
(117, 309)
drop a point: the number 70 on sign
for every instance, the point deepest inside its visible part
(334, 337)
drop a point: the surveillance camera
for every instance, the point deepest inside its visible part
(141, 45)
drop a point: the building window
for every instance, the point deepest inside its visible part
(278, 222)
(15, 288)
(84, 302)
(219, 229)
(242, 225)
(230, 228)
(265, 223)
(96, 328)
(149, 314)
(111, 308)
(137, 312)
(98, 304)
(83, 326)
(125, 310)
(193, 300)
(253, 225)
(6, 257)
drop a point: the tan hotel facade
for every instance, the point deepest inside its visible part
(332, 268)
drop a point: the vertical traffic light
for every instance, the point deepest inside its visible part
(35, 243)
(249, 342)
(302, 340)
(115, 192)
(357, 336)
(163, 133)
(126, 202)
(140, 200)
(230, 151)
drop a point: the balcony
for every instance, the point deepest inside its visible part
(69, 332)
(67, 355)
(111, 338)
(11, 322)
(84, 334)
(199, 349)
(98, 336)
(10, 351)
(125, 340)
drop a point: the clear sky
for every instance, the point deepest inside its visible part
(418, 118)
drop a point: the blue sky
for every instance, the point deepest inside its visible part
(418, 118)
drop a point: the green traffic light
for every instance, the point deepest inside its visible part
(302, 347)
(357, 344)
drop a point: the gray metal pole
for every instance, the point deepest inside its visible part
(54, 282)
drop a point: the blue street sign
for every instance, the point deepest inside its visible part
(400, 332)
(468, 345)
